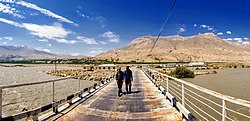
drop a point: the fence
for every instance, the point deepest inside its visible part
(204, 104)
(54, 105)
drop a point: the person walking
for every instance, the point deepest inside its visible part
(119, 79)
(128, 79)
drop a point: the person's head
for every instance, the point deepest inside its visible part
(119, 69)
(127, 67)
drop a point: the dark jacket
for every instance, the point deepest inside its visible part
(119, 76)
(128, 75)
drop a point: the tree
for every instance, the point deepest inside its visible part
(182, 72)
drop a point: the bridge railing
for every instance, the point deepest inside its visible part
(54, 105)
(204, 104)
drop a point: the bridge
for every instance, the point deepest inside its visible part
(155, 96)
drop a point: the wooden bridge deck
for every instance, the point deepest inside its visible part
(146, 103)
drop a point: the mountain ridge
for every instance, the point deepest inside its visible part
(203, 47)
(23, 53)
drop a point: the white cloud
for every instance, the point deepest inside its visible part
(75, 54)
(46, 50)
(45, 12)
(49, 45)
(86, 40)
(66, 41)
(11, 22)
(100, 20)
(181, 30)
(8, 38)
(8, 1)
(195, 25)
(96, 51)
(55, 31)
(238, 39)
(102, 42)
(246, 43)
(111, 36)
(43, 31)
(46, 31)
(10, 10)
(114, 40)
(220, 33)
(209, 33)
(228, 39)
(245, 38)
(81, 14)
(34, 14)
(210, 28)
(43, 40)
(203, 26)
(229, 32)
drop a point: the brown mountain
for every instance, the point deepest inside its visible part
(203, 47)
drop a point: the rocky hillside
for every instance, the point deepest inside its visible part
(23, 53)
(202, 47)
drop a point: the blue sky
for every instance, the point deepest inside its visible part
(89, 27)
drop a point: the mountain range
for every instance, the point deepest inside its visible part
(23, 53)
(199, 48)
(203, 47)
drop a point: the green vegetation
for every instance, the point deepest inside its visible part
(182, 72)
(80, 61)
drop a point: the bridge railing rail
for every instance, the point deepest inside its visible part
(204, 104)
(54, 105)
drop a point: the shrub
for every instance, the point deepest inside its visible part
(182, 72)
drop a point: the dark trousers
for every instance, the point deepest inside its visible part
(119, 84)
(128, 85)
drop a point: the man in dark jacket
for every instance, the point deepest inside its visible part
(119, 79)
(128, 79)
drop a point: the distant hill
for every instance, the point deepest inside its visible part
(202, 47)
(23, 53)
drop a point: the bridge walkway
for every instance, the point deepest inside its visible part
(145, 103)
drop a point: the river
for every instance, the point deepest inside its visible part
(232, 82)
(19, 99)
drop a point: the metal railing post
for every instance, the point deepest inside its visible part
(167, 84)
(1, 101)
(79, 85)
(55, 108)
(93, 83)
(223, 110)
(53, 91)
(183, 94)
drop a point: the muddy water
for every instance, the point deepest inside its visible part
(233, 82)
(30, 73)
(17, 100)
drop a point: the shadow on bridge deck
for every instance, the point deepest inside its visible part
(146, 103)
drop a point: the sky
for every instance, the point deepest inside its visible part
(90, 27)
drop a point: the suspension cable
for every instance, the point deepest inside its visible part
(163, 26)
